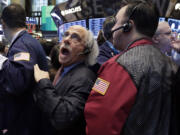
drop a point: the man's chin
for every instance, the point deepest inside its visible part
(64, 62)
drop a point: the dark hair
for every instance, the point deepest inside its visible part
(54, 55)
(100, 38)
(2, 47)
(124, 2)
(47, 45)
(107, 26)
(14, 16)
(145, 16)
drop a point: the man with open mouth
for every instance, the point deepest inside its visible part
(63, 100)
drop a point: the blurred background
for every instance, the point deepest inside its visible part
(50, 18)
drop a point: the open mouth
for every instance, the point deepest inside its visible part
(65, 51)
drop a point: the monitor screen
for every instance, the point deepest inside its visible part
(64, 27)
(174, 24)
(47, 23)
(1, 33)
(31, 23)
(95, 25)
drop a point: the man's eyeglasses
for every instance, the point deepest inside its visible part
(73, 36)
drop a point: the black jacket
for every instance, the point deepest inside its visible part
(64, 103)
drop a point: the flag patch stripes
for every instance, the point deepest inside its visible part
(101, 86)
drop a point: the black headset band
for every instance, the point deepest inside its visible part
(121, 27)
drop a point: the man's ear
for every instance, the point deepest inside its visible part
(155, 39)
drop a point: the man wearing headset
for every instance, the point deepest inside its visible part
(132, 94)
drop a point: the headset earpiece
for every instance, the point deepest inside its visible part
(86, 51)
(127, 26)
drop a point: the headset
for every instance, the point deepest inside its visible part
(86, 51)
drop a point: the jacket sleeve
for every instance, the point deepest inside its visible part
(106, 114)
(17, 71)
(63, 110)
(102, 58)
(104, 54)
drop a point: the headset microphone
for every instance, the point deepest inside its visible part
(85, 52)
(121, 27)
(126, 27)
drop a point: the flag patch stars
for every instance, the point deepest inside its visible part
(101, 86)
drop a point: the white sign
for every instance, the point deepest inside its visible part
(71, 10)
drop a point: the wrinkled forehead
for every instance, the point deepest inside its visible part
(81, 31)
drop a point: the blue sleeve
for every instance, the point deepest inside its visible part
(105, 54)
(17, 76)
(102, 58)
(17, 72)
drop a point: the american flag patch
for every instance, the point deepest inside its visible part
(22, 56)
(101, 86)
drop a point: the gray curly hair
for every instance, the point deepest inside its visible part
(92, 45)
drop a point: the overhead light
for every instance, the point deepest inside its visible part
(177, 6)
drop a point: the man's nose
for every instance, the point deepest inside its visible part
(67, 41)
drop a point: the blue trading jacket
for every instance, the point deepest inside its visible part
(18, 112)
(106, 51)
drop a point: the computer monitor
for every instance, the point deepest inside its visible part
(1, 33)
(31, 23)
(62, 28)
(95, 25)
(47, 23)
(174, 24)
